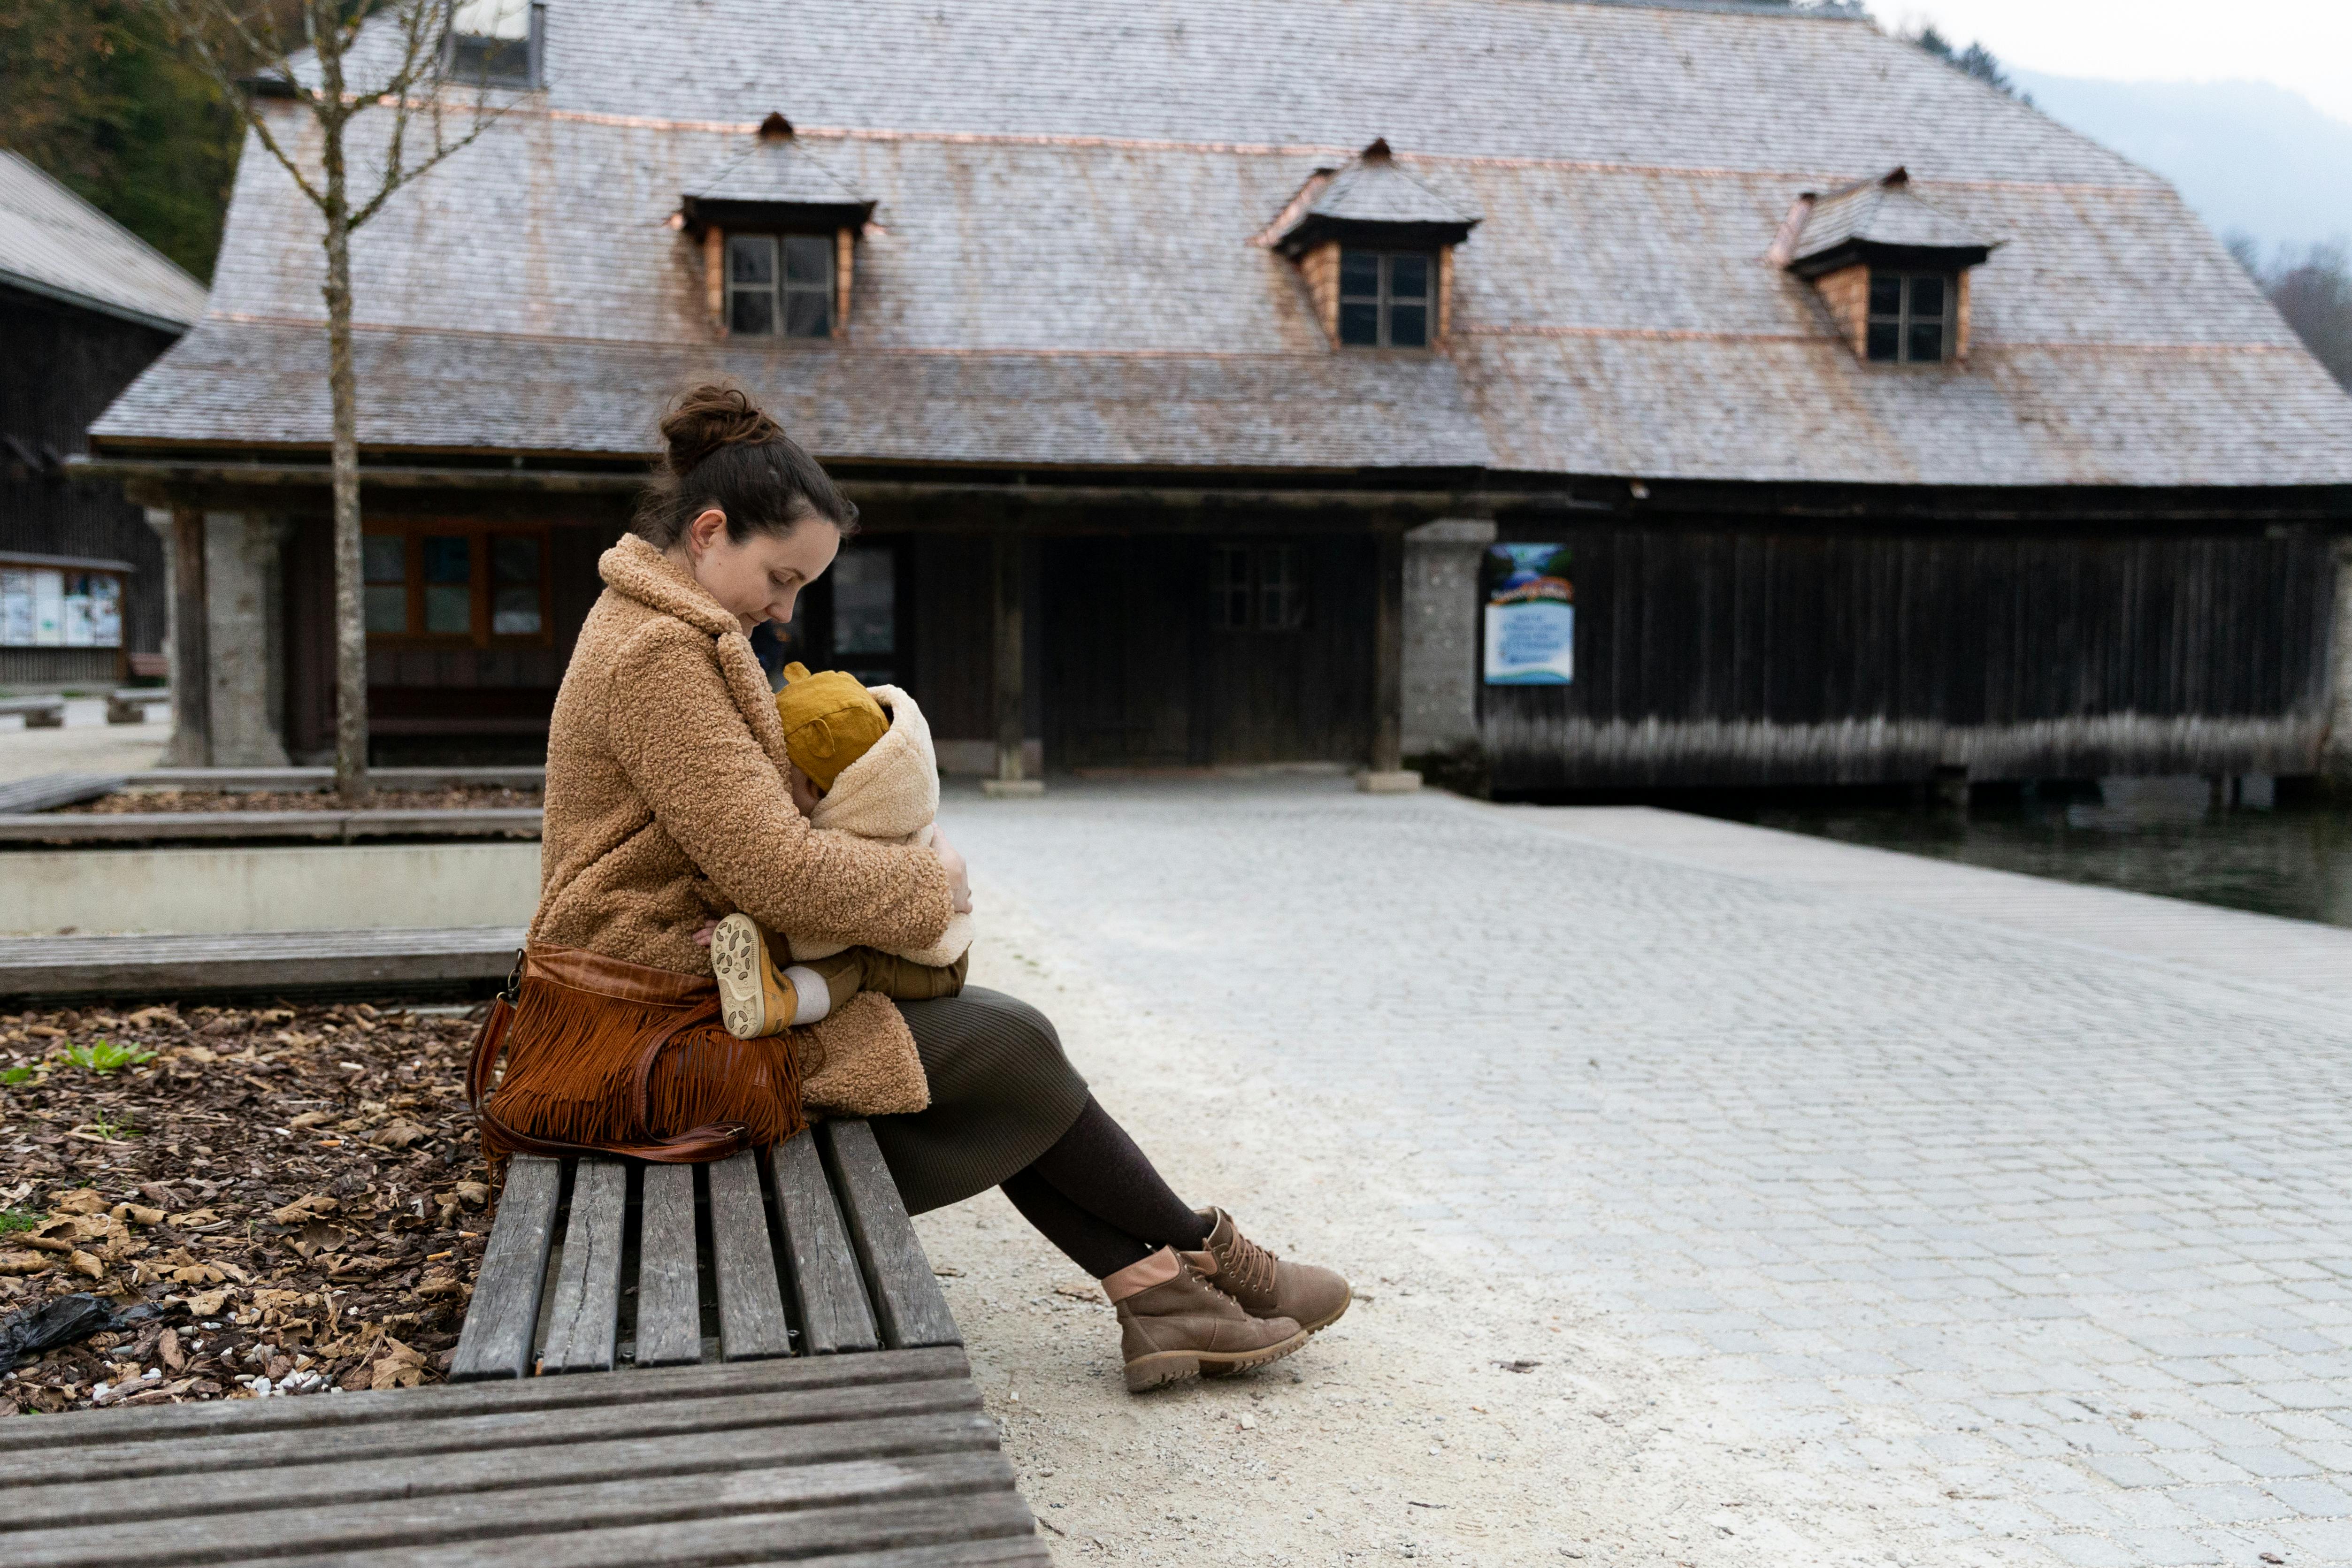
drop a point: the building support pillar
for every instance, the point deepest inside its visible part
(1008, 625)
(185, 635)
(1441, 634)
(245, 638)
(1388, 775)
(2335, 759)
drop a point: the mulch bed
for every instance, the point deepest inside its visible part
(297, 1190)
(467, 798)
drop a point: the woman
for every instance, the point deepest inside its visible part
(667, 808)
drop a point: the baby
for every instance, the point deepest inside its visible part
(860, 761)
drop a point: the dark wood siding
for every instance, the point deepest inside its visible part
(2194, 646)
(60, 367)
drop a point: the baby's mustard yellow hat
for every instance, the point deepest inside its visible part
(829, 721)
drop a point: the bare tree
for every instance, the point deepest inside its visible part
(339, 61)
(2313, 292)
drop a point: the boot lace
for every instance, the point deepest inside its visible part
(1246, 1265)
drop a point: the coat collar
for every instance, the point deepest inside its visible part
(636, 569)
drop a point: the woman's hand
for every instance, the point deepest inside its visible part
(959, 874)
(705, 932)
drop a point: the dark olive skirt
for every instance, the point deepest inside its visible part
(1002, 1092)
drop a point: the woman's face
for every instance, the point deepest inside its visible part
(758, 579)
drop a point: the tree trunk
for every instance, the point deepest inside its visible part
(350, 624)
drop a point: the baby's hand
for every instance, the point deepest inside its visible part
(705, 932)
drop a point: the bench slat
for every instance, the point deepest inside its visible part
(584, 1317)
(496, 1340)
(751, 1307)
(906, 1295)
(298, 1484)
(669, 1296)
(590, 1514)
(826, 1286)
(826, 1535)
(227, 1452)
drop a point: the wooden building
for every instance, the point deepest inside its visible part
(1193, 365)
(84, 307)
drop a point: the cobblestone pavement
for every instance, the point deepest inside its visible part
(2011, 1251)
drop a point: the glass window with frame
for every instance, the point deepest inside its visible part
(492, 43)
(1911, 317)
(780, 285)
(1387, 298)
(1257, 587)
(475, 586)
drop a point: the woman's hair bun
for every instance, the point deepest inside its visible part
(711, 417)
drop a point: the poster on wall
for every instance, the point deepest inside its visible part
(49, 608)
(1530, 615)
(16, 608)
(105, 611)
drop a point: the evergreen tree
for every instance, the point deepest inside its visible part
(1975, 60)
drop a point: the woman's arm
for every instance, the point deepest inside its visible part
(677, 736)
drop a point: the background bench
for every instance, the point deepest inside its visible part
(130, 704)
(39, 713)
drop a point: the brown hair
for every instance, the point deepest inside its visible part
(722, 452)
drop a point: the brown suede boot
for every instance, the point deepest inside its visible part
(1171, 1326)
(1268, 1286)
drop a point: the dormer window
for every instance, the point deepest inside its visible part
(1893, 271)
(1910, 317)
(780, 284)
(1375, 248)
(779, 231)
(1387, 297)
(497, 43)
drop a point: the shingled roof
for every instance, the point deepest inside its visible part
(1880, 214)
(1059, 269)
(54, 243)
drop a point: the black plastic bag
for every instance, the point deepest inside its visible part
(65, 1321)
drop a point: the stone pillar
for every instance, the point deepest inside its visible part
(2336, 760)
(182, 529)
(1440, 633)
(1008, 623)
(1387, 773)
(246, 632)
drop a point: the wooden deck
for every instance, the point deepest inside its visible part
(378, 963)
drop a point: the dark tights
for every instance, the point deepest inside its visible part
(1096, 1196)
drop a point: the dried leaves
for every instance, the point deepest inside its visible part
(297, 1188)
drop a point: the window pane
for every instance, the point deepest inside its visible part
(514, 558)
(449, 608)
(515, 613)
(808, 259)
(864, 601)
(753, 315)
(383, 557)
(1927, 296)
(1360, 272)
(1360, 324)
(751, 258)
(387, 607)
(1281, 603)
(1926, 342)
(808, 313)
(1884, 337)
(1885, 293)
(1409, 326)
(448, 558)
(1229, 586)
(1409, 277)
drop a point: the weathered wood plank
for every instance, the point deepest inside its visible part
(229, 1451)
(166, 965)
(743, 1264)
(496, 1340)
(396, 1408)
(825, 1535)
(156, 826)
(996, 1554)
(53, 790)
(669, 1297)
(581, 1512)
(584, 1319)
(344, 1482)
(908, 1301)
(323, 778)
(826, 1285)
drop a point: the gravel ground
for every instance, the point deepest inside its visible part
(1455, 1413)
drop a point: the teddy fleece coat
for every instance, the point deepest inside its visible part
(666, 807)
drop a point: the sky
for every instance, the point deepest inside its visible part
(2304, 45)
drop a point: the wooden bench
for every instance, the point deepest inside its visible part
(39, 713)
(129, 705)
